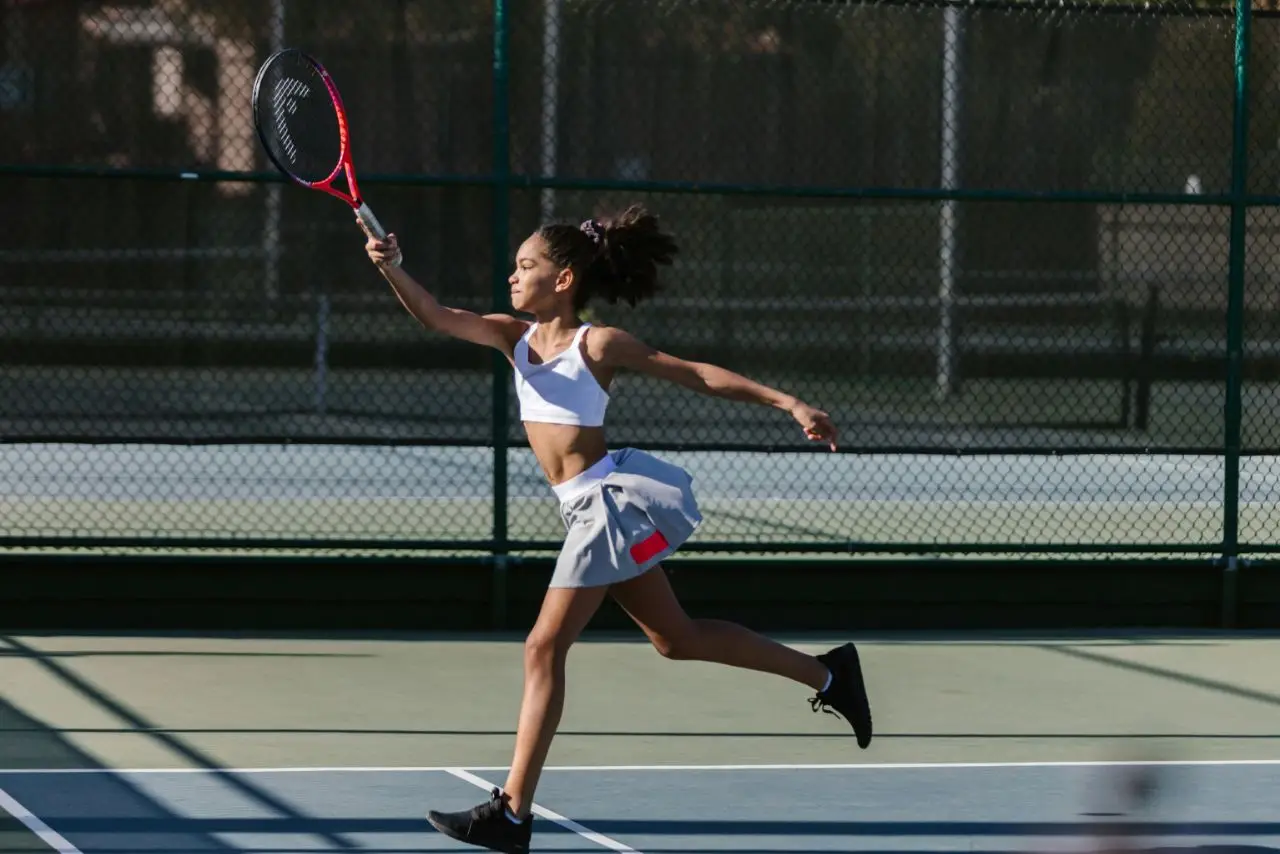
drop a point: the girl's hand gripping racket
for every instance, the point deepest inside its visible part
(303, 127)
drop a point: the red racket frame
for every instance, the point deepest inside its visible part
(345, 166)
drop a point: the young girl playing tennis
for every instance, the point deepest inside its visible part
(624, 511)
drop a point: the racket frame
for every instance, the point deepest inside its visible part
(344, 167)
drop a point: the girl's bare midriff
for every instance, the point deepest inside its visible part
(565, 451)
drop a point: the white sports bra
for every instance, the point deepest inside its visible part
(561, 390)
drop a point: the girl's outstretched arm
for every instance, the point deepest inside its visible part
(500, 331)
(620, 349)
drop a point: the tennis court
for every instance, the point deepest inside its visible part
(185, 743)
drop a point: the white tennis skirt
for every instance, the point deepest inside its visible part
(623, 516)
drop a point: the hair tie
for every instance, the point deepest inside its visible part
(593, 230)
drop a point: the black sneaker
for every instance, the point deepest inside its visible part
(486, 825)
(847, 693)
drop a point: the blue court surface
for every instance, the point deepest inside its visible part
(1069, 807)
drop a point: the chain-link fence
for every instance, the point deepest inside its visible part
(1021, 251)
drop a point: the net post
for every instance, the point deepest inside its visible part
(1235, 298)
(501, 188)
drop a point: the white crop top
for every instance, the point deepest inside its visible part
(561, 390)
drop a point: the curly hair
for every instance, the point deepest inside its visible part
(615, 257)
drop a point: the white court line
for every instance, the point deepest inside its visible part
(567, 823)
(33, 823)
(860, 766)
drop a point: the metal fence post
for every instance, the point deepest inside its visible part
(501, 188)
(1235, 316)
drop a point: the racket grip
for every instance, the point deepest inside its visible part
(371, 225)
(370, 222)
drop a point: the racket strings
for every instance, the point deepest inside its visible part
(301, 126)
(284, 102)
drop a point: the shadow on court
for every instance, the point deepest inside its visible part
(1166, 673)
(213, 810)
(100, 799)
(28, 743)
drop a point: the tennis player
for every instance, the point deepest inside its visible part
(624, 511)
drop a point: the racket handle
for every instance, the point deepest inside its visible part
(370, 222)
(371, 225)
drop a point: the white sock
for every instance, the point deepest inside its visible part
(511, 817)
(828, 685)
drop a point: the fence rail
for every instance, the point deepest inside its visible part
(1024, 252)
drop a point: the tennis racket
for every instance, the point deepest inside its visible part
(303, 127)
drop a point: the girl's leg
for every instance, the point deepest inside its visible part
(565, 613)
(836, 675)
(651, 602)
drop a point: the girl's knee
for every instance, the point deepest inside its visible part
(679, 644)
(544, 648)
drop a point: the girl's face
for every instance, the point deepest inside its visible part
(537, 284)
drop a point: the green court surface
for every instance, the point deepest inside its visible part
(280, 700)
(271, 743)
(261, 743)
(16, 839)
